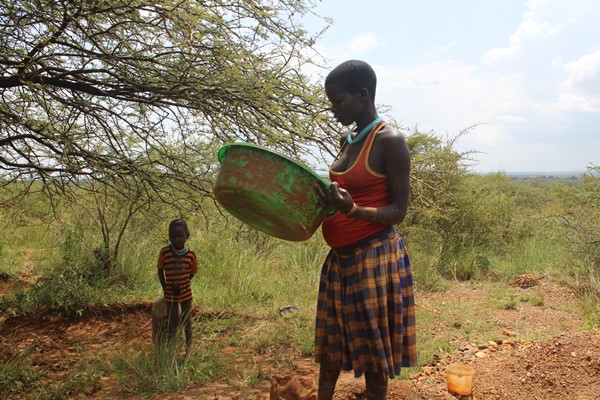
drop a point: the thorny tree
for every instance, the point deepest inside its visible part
(138, 95)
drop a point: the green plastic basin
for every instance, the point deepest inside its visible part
(269, 191)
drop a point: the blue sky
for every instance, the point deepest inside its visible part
(527, 71)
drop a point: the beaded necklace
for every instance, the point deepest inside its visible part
(180, 252)
(363, 132)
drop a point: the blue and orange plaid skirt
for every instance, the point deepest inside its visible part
(366, 309)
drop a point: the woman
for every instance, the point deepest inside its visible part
(365, 313)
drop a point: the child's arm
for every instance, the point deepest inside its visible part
(161, 278)
(193, 266)
(161, 271)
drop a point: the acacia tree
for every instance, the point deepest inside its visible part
(438, 205)
(582, 222)
(136, 93)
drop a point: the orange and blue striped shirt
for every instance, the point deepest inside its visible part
(178, 270)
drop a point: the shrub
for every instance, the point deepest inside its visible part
(581, 220)
(454, 213)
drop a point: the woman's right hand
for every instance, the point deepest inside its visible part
(323, 195)
(334, 197)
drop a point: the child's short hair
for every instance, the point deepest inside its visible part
(353, 75)
(179, 224)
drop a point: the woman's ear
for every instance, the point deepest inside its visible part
(364, 94)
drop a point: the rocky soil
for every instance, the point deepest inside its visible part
(563, 366)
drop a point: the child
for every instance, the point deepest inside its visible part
(177, 265)
(365, 312)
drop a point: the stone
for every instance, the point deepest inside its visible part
(159, 320)
(293, 387)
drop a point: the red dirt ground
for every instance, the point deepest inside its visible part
(563, 367)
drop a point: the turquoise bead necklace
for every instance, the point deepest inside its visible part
(180, 252)
(363, 132)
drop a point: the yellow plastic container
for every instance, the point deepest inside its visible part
(459, 378)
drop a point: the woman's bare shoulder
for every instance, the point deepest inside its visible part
(391, 133)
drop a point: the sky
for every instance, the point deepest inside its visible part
(524, 74)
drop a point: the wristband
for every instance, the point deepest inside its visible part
(352, 210)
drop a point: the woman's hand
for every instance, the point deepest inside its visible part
(334, 197)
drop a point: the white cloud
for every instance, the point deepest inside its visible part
(356, 47)
(363, 43)
(441, 51)
(454, 95)
(538, 98)
(431, 94)
(512, 118)
(581, 88)
(489, 135)
(531, 27)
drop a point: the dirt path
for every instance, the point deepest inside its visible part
(562, 367)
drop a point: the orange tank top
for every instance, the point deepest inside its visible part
(367, 188)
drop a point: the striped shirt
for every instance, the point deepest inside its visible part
(178, 270)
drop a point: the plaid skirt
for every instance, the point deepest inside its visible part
(366, 309)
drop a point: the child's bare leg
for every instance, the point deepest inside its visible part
(186, 319)
(173, 317)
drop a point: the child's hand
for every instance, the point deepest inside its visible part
(176, 289)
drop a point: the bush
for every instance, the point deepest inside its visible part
(581, 220)
(456, 214)
(69, 288)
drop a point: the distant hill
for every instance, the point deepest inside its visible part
(545, 174)
(568, 176)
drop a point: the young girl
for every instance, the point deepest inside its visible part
(177, 265)
(366, 311)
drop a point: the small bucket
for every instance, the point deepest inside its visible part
(459, 378)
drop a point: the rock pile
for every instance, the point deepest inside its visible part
(293, 387)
